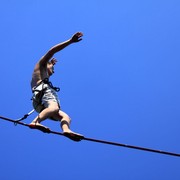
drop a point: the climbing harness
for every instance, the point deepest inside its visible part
(38, 92)
(45, 81)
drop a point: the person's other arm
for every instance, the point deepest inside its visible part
(75, 38)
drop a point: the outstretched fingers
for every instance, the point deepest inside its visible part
(77, 37)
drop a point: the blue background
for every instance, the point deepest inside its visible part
(121, 84)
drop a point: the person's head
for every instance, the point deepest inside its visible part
(50, 66)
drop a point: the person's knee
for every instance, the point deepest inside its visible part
(65, 117)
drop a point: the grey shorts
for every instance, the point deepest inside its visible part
(42, 98)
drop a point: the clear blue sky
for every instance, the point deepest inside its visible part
(121, 84)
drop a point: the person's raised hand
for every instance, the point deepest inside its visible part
(77, 37)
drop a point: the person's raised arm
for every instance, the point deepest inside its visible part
(75, 38)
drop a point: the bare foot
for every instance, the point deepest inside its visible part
(39, 127)
(73, 136)
(37, 124)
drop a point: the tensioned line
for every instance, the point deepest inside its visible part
(99, 141)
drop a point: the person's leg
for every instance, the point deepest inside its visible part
(48, 112)
(64, 119)
(65, 125)
(53, 112)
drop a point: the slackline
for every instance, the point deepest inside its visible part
(99, 141)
